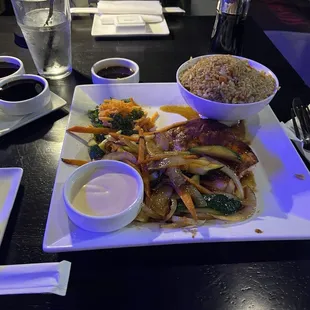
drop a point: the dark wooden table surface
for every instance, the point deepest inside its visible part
(246, 275)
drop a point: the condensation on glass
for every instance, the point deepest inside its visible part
(46, 26)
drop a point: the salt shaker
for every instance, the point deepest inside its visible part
(228, 28)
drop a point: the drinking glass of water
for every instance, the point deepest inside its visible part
(46, 26)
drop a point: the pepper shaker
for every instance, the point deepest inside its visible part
(227, 34)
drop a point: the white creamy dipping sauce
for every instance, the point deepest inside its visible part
(106, 193)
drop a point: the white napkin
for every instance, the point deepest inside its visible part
(108, 19)
(35, 278)
(289, 130)
(130, 7)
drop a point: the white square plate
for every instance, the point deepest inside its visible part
(283, 200)
(9, 123)
(9, 184)
(154, 29)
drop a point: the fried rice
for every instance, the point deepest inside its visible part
(227, 79)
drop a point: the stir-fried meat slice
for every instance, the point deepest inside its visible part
(209, 132)
(183, 137)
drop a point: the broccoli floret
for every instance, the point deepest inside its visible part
(95, 152)
(222, 203)
(125, 123)
(93, 115)
(136, 114)
(119, 122)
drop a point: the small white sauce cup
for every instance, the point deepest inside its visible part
(27, 106)
(111, 62)
(101, 223)
(15, 61)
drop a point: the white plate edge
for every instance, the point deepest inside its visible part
(19, 172)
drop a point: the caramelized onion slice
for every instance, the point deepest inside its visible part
(152, 148)
(173, 208)
(232, 175)
(168, 162)
(121, 156)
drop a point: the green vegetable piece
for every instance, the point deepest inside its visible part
(222, 203)
(95, 152)
(181, 206)
(125, 123)
(136, 114)
(217, 151)
(93, 115)
(122, 123)
(202, 170)
(217, 204)
(119, 122)
(99, 137)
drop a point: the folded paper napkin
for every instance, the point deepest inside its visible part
(150, 11)
(35, 278)
(108, 19)
(130, 7)
(289, 130)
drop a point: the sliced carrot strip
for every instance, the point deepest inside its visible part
(201, 189)
(90, 129)
(119, 136)
(187, 199)
(74, 162)
(154, 117)
(141, 153)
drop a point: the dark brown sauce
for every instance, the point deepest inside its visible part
(21, 90)
(7, 68)
(115, 72)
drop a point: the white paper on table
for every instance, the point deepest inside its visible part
(93, 10)
(290, 132)
(130, 7)
(108, 19)
(35, 278)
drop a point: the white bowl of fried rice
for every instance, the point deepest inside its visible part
(225, 87)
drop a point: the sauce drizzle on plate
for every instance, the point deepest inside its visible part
(184, 111)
